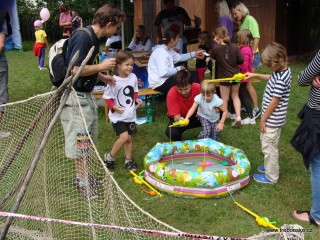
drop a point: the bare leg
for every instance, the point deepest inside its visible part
(81, 168)
(123, 138)
(236, 99)
(128, 147)
(225, 92)
(252, 92)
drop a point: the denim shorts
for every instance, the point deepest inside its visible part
(256, 60)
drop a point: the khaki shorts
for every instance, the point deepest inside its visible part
(77, 141)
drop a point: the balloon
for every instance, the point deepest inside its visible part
(44, 14)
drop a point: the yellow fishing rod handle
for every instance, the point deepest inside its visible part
(144, 182)
(247, 210)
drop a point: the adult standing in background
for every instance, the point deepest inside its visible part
(141, 40)
(221, 8)
(65, 20)
(5, 29)
(242, 16)
(172, 15)
(306, 138)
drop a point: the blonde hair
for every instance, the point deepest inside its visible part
(241, 8)
(222, 32)
(274, 54)
(244, 37)
(207, 88)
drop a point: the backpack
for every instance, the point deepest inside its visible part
(57, 61)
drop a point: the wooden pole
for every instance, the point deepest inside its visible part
(37, 155)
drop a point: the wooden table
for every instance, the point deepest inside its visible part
(141, 58)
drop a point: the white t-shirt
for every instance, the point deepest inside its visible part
(112, 39)
(140, 47)
(161, 65)
(123, 95)
(207, 109)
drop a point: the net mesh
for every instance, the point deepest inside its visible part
(53, 191)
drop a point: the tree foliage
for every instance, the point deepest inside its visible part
(29, 12)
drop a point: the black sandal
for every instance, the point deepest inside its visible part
(311, 220)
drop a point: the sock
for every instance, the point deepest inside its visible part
(256, 109)
(111, 158)
(127, 160)
(238, 118)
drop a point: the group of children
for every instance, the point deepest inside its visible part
(123, 100)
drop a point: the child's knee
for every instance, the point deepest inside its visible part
(124, 137)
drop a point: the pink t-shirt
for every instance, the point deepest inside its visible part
(66, 17)
(246, 66)
(178, 105)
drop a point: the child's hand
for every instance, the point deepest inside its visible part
(262, 126)
(219, 127)
(316, 82)
(249, 75)
(139, 101)
(118, 109)
(199, 53)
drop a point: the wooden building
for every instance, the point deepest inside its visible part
(293, 23)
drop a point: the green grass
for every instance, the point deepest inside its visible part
(206, 216)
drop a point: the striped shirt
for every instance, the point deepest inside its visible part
(305, 79)
(279, 86)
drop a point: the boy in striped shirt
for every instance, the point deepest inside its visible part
(274, 109)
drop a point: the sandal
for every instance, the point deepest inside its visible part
(295, 215)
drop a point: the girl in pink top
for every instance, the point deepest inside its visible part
(244, 38)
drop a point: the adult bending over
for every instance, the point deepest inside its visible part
(180, 99)
(309, 146)
(161, 67)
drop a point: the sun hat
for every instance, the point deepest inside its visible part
(37, 23)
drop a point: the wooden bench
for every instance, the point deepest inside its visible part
(148, 92)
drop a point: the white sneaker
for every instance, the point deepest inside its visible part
(4, 134)
(248, 120)
(42, 68)
(231, 116)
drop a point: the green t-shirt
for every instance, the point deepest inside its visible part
(252, 25)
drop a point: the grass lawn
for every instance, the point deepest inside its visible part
(220, 217)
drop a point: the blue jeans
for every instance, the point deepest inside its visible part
(256, 60)
(315, 186)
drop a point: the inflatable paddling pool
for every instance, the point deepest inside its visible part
(201, 168)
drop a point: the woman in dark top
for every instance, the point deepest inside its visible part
(307, 137)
